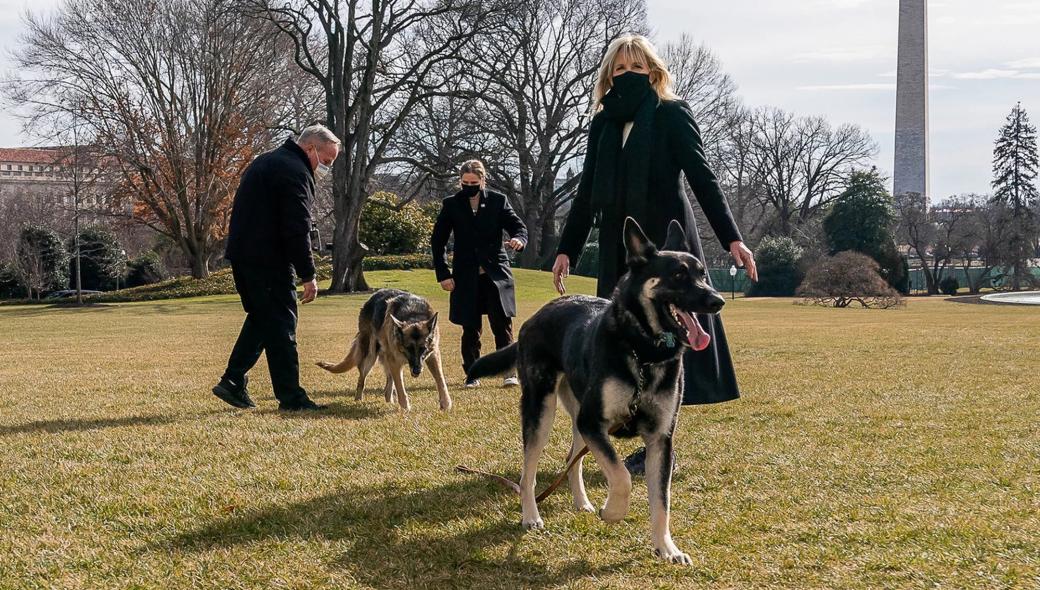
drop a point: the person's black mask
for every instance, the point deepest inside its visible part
(470, 190)
(630, 83)
(626, 93)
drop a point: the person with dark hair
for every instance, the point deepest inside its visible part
(479, 278)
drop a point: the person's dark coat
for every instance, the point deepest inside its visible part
(677, 148)
(478, 244)
(270, 218)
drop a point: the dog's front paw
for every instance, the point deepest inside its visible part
(445, 406)
(673, 555)
(585, 507)
(533, 524)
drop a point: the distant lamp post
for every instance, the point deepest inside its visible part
(733, 282)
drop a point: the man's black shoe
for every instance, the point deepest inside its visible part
(636, 462)
(237, 396)
(304, 404)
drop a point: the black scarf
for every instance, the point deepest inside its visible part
(622, 174)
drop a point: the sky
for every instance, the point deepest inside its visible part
(835, 58)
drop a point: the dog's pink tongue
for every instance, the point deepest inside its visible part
(698, 338)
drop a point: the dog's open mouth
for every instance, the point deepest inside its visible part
(691, 329)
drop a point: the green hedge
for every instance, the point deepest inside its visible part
(398, 262)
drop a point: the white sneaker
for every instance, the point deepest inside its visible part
(510, 382)
(472, 384)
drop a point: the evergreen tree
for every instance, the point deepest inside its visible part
(862, 219)
(102, 260)
(43, 262)
(1015, 165)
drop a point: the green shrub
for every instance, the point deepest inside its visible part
(949, 285)
(102, 259)
(779, 272)
(43, 261)
(397, 262)
(10, 284)
(389, 228)
(146, 269)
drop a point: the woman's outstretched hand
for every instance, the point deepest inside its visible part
(448, 285)
(561, 268)
(744, 258)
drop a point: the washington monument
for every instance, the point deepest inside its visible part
(911, 162)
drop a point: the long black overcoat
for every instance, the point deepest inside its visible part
(478, 243)
(677, 149)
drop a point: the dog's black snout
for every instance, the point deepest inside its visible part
(713, 302)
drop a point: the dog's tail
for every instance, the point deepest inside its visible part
(496, 363)
(350, 361)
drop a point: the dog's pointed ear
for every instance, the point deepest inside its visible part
(432, 322)
(676, 239)
(639, 247)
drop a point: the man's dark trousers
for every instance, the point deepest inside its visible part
(269, 299)
(501, 324)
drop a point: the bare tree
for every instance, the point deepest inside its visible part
(374, 62)
(179, 95)
(804, 163)
(727, 129)
(442, 131)
(533, 73)
(710, 91)
(980, 239)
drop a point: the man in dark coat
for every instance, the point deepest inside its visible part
(269, 238)
(480, 280)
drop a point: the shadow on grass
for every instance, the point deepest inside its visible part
(434, 537)
(353, 411)
(81, 424)
(37, 309)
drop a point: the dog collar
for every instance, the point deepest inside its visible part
(667, 340)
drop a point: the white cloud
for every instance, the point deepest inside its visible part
(998, 74)
(1029, 63)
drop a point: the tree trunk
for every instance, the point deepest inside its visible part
(549, 240)
(530, 255)
(929, 279)
(347, 250)
(199, 266)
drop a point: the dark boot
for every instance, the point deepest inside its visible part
(636, 462)
(235, 394)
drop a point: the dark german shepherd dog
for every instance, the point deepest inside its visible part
(616, 367)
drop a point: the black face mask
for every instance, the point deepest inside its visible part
(626, 93)
(470, 190)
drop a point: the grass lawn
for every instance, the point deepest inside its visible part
(871, 449)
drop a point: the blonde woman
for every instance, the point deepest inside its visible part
(479, 279)
(642, 138)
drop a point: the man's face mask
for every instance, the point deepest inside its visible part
(470, 190)
(322, 168)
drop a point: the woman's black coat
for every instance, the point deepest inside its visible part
(478, 243)
(677, 148)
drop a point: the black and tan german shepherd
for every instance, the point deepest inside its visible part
(615, 366)
(399, 329)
